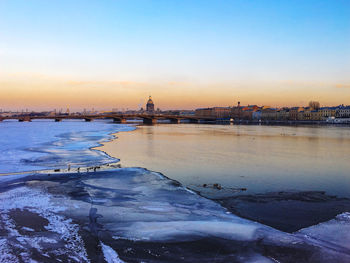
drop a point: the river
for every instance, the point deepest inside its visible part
(184, 193)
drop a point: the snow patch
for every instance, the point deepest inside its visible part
(61, 237)
(110, 255)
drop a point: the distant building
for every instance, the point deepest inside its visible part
(269, 114)
(187, 113)
(236, 112)
(203, 112)
(247, 114)
(301, 115)
(294, 113)
(315, 115)
(343, 111)
(221, 112)
(215, 112)
(256, 115)
(326, 112)
(150, 105)
(243, 112)
(282, 114)
(307, 113)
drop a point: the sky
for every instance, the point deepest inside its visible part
(185, 53)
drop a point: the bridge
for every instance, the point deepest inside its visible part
(118, 118)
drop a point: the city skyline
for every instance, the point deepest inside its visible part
(145, 108)
(185, 54)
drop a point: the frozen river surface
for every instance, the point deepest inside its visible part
(129, 214)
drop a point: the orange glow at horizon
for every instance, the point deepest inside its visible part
(39, 92)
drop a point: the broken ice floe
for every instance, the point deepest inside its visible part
(136, 205)
(334, 233)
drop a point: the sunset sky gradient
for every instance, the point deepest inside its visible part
(186, 54)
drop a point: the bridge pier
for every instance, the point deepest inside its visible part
(149, 120)
(119, 120)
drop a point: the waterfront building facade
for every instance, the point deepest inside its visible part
(343, 111)
(301, 115)
(293, 113)
(247, 114)
(307, 114)
(315, 115)
(222, 112)
(203, 112)
(236, 112)
(215, 112)
(269, 114)
(243, 112)
(326, 112)
(282, 114)
(256, 115)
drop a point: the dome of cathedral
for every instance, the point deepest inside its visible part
(150, 105)
(150, 101)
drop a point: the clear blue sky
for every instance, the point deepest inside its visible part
(245, 48)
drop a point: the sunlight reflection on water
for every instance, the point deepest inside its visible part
(259, 158)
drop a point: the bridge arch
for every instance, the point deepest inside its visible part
(26, 118)
(174, 120)
(119, 120)
(149, 120)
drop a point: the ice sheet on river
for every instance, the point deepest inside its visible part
(143, 217)
(333, 232)
(36, 145)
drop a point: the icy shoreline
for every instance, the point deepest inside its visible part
(140, 211)
(48, 145)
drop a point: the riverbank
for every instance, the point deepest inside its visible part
(331, 122)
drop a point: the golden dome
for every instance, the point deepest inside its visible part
(150, 101)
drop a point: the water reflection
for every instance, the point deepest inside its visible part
(259, 158)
